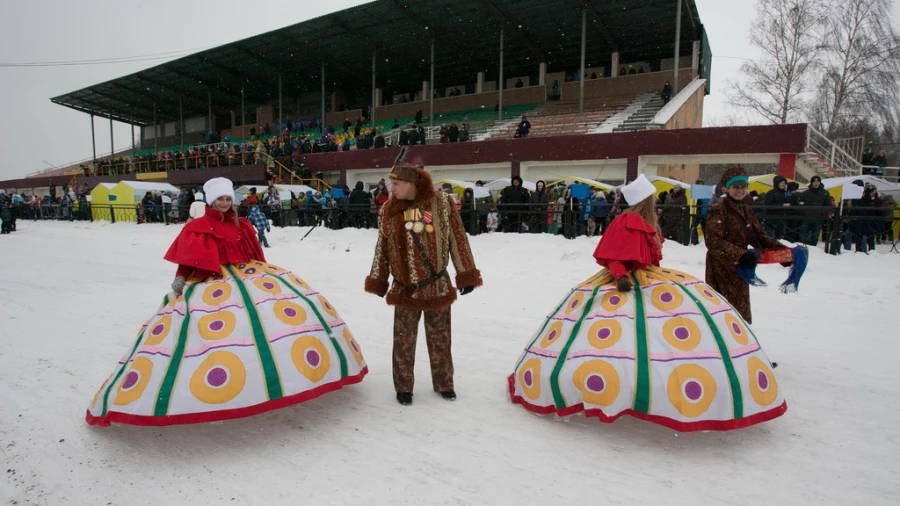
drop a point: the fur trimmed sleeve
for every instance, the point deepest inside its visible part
(377, 280)
(460, 253)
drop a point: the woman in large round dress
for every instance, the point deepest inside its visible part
(236, 337)
(641, 340)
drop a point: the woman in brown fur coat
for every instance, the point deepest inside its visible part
(419, 234)
(730, 228)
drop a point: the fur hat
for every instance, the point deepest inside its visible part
(406, 172)
(218, 187)
(732, 173)
(636, 191)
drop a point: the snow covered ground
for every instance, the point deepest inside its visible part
(72, 297)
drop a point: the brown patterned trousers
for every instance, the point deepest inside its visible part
(437, 336)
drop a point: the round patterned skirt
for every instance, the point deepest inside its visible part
(255, 339)
(673, 352)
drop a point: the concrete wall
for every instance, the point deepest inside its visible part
(623, 85)
(515, 96)
(690, 115)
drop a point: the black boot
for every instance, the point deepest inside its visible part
(404, 398)
(449, 395)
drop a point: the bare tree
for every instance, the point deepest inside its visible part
(862, 64)
(788, 33)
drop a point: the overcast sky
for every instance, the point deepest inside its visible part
(35, 131)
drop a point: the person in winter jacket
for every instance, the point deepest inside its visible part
(676, 213)
(776, 200)
(599, 214)
(730, 228)
(513, 202)
(198, 207)
(865, 225)
(261, 223)
(815, 205)
(359, 205)
(419, 234)
(453, 133)
(539, 206)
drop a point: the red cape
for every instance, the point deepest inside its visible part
(207, 243)
(630, 242)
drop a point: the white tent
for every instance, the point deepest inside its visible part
(261, 190)
(142, 187)
(478, 191)
(882, 185)
(673, 182)
(502, 183)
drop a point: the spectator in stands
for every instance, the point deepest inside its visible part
(228, 138)
(867, 157)
(513, 202)
(576, 77)
(453, 133)
(519, 83)
(413, 136)
(554, 91)
(358, 130)
(267, 130)
(346, 125)
(641, 70)
(464, 133)
(404, 138)
(623, 72)
(524, 127)
(421, 135)
(379, 141)
(666, 93)
(880, 162)
(777, 199)
(445, 138)
(396, 125)
(466, 124)
(539, 206)
(419, 117)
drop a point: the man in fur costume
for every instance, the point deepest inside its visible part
(730, 228)
(419, 234)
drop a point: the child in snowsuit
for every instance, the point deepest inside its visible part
(259, 220)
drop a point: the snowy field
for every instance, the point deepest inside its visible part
(72, 297)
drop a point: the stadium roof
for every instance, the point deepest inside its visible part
(466, 35)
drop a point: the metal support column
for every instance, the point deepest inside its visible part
(500, 81)
(133, 145)
(112, 147)
(677, 61)
(93, 139)
(243, 115)
(209, 117)
(372, 112)
(280, 118)
(181, 123)
(583, 51)
(431, 89)
(322, 125)
(155, 128)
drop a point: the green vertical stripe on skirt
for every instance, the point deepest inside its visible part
(642, 353)
(165, 389)
(124, 365)
(733, 381)
(558, 398)
(270, 369)
(337, 348)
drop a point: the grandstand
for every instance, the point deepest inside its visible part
(578, 69)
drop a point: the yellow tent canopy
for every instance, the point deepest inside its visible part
(764, 184)
(99, 199)
(125, 197)
(580, 180)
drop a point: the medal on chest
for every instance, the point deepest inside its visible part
(414, 219)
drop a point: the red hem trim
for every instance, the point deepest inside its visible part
(229, 414)
(703, 425)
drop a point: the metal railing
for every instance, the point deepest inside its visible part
(836, 160)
